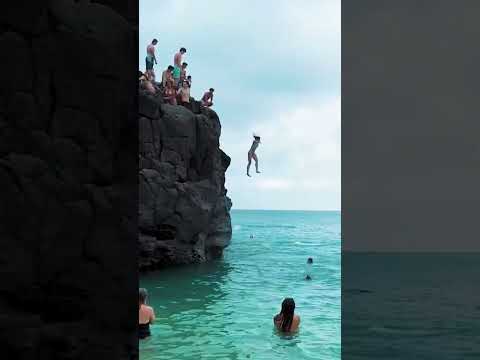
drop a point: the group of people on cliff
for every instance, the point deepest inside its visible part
(175, 84)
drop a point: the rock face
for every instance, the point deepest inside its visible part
(68, 170)
(183, 208)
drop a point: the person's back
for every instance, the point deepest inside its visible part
(287, 321)
(278, 320)
(146, 315)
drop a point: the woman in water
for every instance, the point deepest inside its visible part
(287, 321)
(146, 316)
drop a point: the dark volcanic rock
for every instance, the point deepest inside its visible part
(68, 167)
(183, 208)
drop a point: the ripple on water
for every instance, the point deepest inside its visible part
(225, 308)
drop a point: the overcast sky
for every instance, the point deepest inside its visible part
(275, 67)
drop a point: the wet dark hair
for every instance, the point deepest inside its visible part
(310, 260)
(142, 296)
(183, 49)
(288, 309)
(189, 76)
(184, 64)
(170, 67)
(212, 89)
(154, 41)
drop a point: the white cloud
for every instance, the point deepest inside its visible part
(300, 153)
(273, 184)
(275, 67)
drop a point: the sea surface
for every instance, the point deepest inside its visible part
(224, 309)
(411, 306)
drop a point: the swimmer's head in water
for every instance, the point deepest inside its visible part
(309, 261)
(142, 295)
(288, 309)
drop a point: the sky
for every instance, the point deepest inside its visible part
(276, 70)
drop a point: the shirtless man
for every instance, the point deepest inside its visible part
(183, 72)
(177, 63)
(151, 59)
(252, 155)
(167, 76)
(184, 94)
(207, 98)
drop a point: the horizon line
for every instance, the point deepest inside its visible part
(315, 210)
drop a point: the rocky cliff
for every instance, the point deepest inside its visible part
(183, 208)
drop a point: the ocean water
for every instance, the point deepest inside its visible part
(224, 309)
(410, 306)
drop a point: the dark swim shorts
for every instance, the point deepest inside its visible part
(149, 63)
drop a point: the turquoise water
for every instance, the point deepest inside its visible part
(224, 309)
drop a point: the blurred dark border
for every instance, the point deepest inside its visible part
(68, 179)
(410, 175)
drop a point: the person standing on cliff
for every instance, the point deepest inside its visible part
(184, 95)
(151, 59)
(207, 98)
(183, 73)
(252, 155)
(169, 93)
(177, 63)
(167, 76)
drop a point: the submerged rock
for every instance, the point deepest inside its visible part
(184, 213)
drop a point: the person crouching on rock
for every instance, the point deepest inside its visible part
(184, 95)
(207, 98)
(146, 315)
(252, 155)
(169, 93)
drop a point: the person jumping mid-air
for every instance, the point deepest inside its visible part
(252, 155)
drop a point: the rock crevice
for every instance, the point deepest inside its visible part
(184, 212)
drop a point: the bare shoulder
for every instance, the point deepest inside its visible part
(297, 318)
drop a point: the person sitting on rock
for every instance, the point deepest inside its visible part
(146, 84)
(287, 321)
(177, 63)
(184, 95)
(207, 98)
(151, 59)
(167, 76)
(146, 315)
(169, 93)
(183, 73)
(252, 155)
(189, 79)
